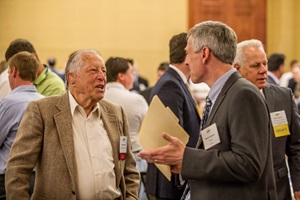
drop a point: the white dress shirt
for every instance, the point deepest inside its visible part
(135, 108)
(4, 84)
(93, 154)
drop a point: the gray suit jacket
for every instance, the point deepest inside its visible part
(278, 99)
(45, 140)
(240, 167)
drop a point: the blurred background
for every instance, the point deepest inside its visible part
(141, 29)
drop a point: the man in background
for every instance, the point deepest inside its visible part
(47, 82)
(275, 67)
(120, 78)
(21, 74)
(251, 61)
(140, 83)
(4, 83)
(51, 63)
(172, 90)
(287, 76)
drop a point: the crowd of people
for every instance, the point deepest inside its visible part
(74, 135)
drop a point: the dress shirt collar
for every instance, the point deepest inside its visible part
(218, 85)
(74, 104)
(115, 85)
(182, 76)
(272, 75)
(26, 88)
(42, 75)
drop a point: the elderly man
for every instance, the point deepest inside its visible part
(78, 142)
(251, 61)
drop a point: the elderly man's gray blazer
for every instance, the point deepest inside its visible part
(45, 140)
(281, 99)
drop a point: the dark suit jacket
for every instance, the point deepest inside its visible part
(240, 166)
(278, 99)
(146, 94)
(45, 140)
(173, 92)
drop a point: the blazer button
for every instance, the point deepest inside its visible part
(73, 192)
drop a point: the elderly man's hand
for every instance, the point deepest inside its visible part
(171, 154)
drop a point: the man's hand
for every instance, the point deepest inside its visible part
(297, 195)
(171, 154)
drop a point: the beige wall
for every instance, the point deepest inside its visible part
(283, 28)
(126, 28)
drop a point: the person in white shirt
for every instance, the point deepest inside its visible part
(4, 83)
(287, 76)
(120, 78)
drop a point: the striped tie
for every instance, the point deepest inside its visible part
(187, 193)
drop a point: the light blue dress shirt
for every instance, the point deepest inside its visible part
(12, 108)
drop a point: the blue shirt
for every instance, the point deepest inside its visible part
(12, 108)
(218, 85)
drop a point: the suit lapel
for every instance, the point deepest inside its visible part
(233, 78)
(269, 95)
(63, 121)
(111, 126)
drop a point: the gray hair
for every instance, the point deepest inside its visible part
(218, 37)
(76, 61)
(240, 57)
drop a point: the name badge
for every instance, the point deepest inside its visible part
(210, 136)
(280, 124)
(123, 147)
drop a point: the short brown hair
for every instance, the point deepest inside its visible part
(27, 65)
(177, 46)
(17, 46)
(114, 66)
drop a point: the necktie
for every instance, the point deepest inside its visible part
(206, 111)
(187, 193)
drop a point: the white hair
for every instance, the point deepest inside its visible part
(240, 57)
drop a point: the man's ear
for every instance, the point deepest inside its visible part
(120, 76)
(205, 52)
(237, 67)
(14, 72)
(70, 78)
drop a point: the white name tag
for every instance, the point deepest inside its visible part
(123, 147)
(210, 136)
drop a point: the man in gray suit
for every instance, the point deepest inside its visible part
(78, 143)
(233, 156)
(251, 61)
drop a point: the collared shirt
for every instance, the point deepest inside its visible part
(275, 79)
(4, 84)
(135, 108)
(182, 76)
(218, 85)
(12, 108)
(48, 83)
(93, 155)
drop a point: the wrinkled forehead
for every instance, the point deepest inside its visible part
(86, 56)
(91, 58)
